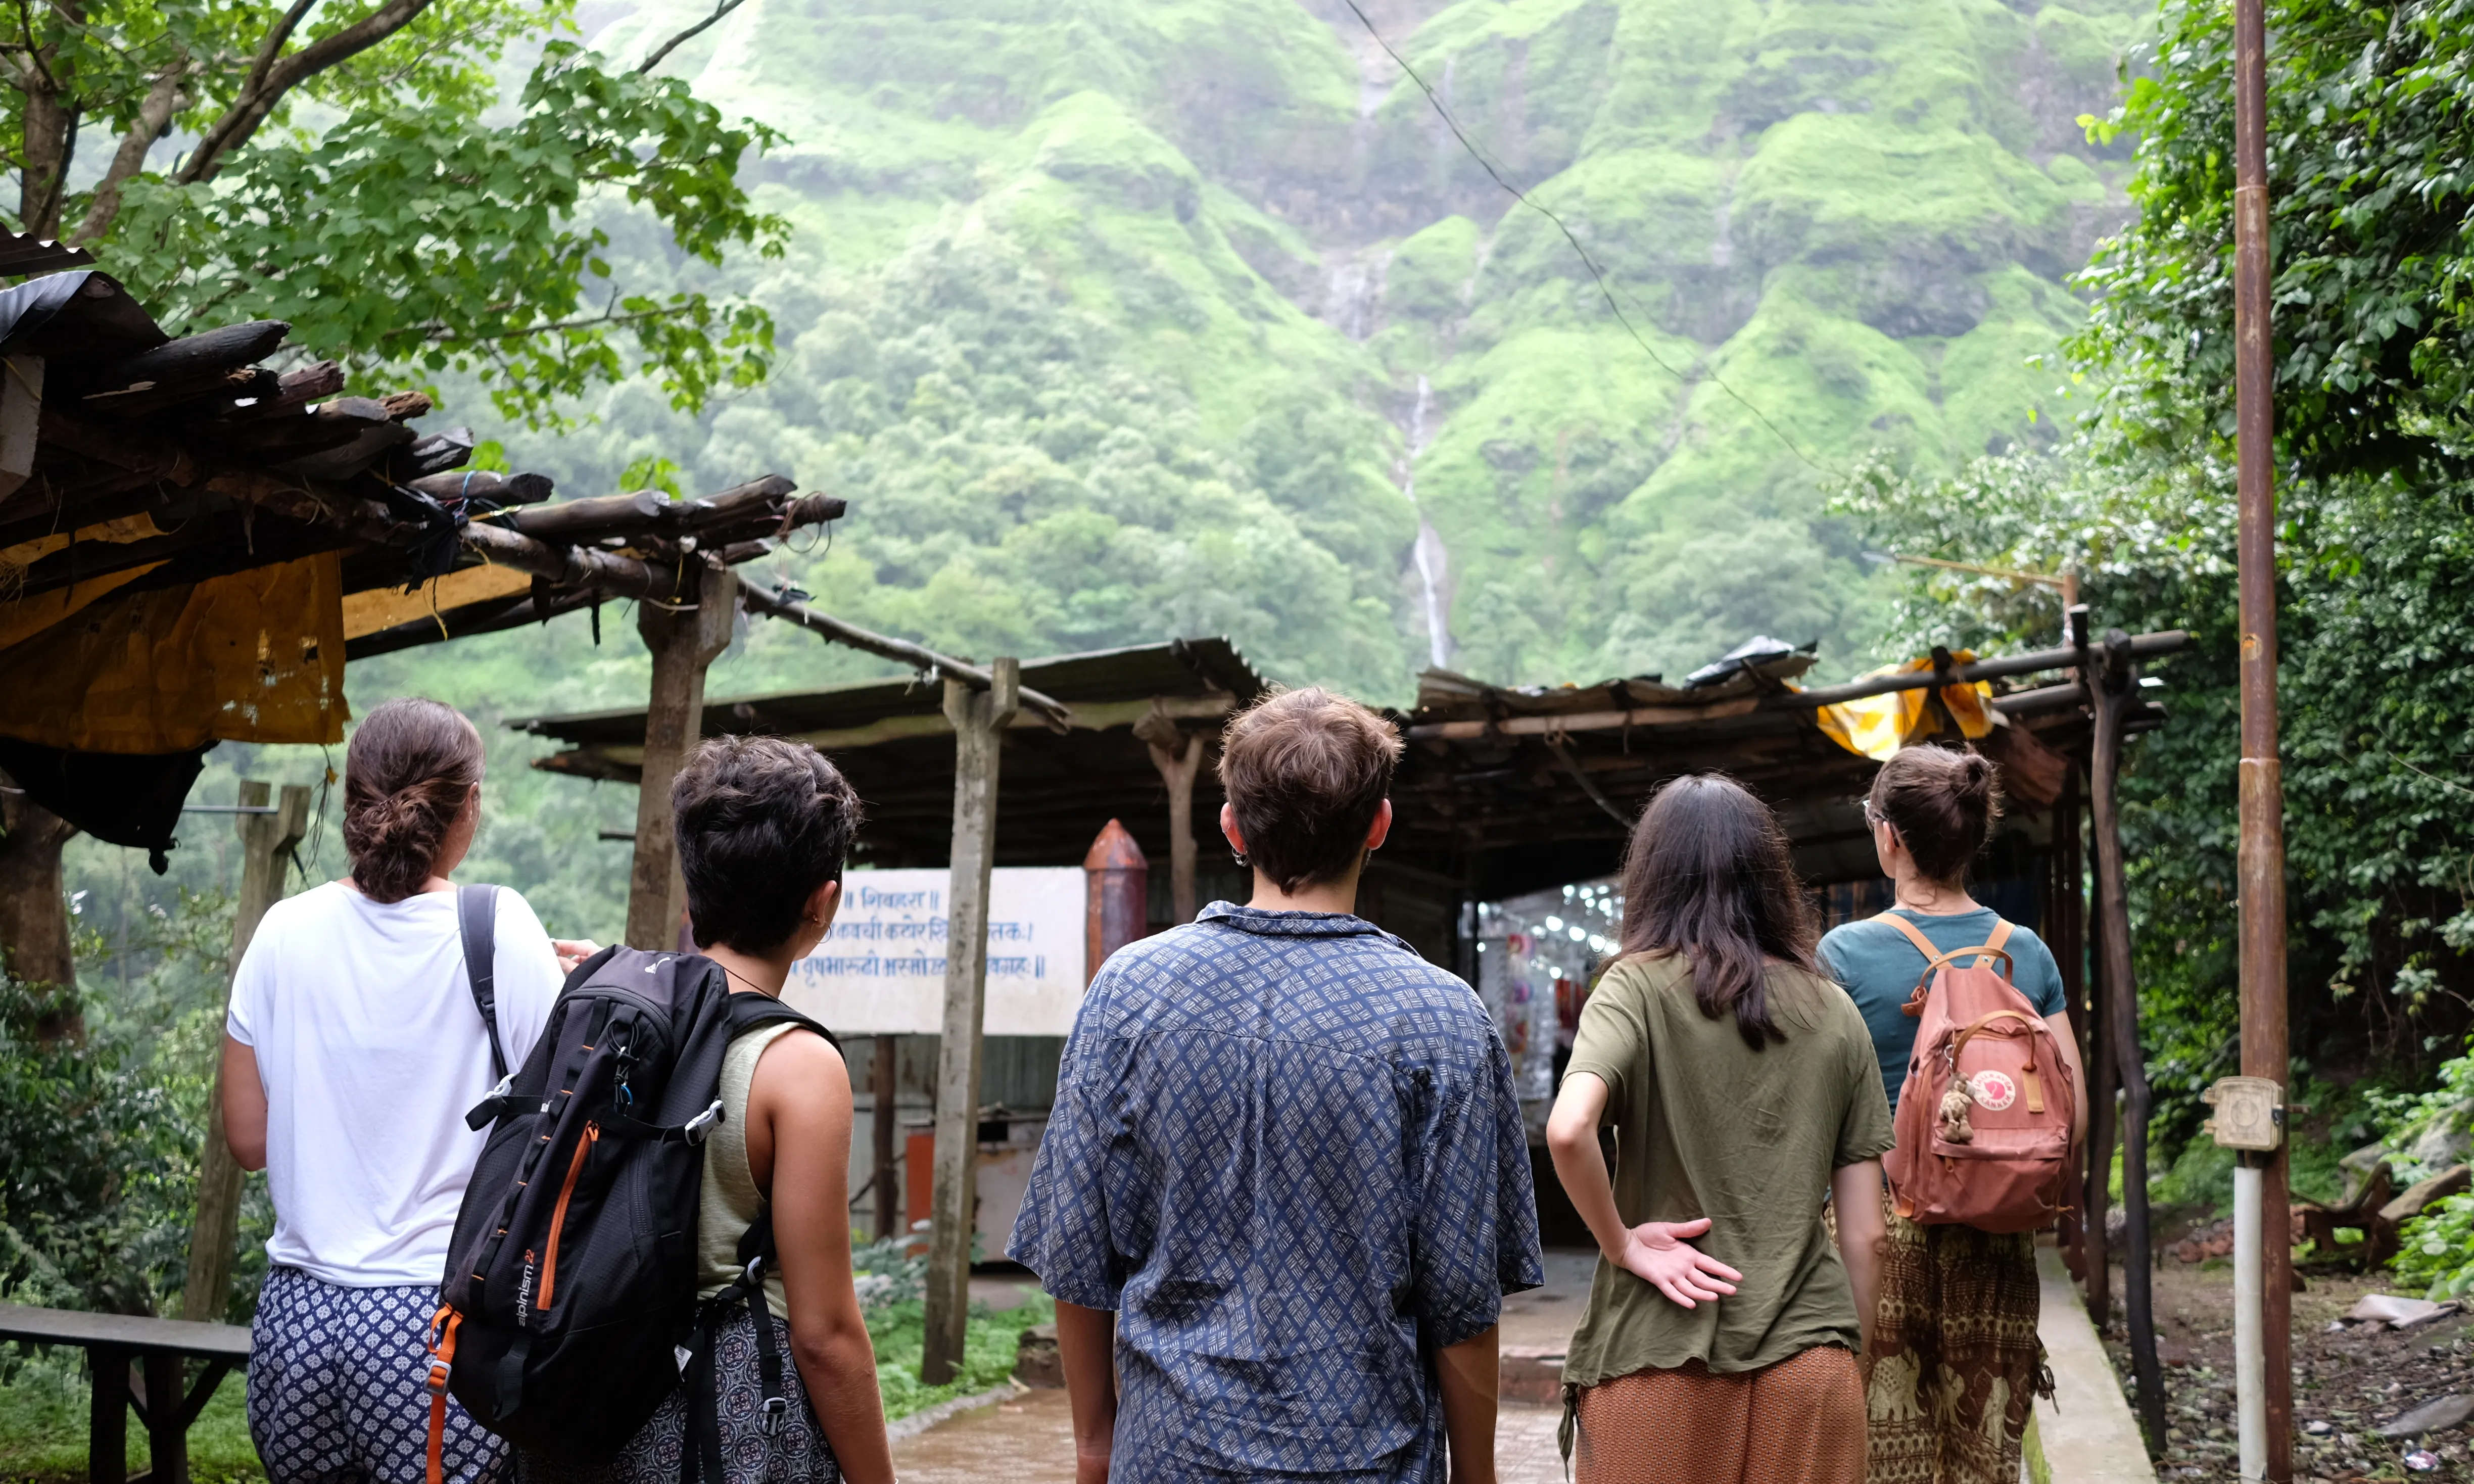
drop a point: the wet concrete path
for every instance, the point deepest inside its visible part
(1029, 1440)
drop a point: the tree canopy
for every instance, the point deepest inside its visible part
(2372, 198)
(340, 165)
(2371, 140)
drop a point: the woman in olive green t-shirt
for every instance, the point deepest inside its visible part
(1743, 1090)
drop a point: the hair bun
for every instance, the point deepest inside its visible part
(1973, 775)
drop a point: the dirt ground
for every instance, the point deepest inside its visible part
(2348, 1379)
(1029, 1440)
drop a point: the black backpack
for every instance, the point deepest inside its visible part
(569, 1308)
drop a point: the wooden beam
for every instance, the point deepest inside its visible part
(780, 605)
(685, 638)
(978, 719)
(266, 842)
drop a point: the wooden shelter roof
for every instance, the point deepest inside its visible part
(142, 477)
(891, 739)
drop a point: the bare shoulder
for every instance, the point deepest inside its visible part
(797, 1066)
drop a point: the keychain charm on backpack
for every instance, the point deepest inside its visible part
(1954, 1126)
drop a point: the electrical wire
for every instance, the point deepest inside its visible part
(1597, 274)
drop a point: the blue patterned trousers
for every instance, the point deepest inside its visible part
(338, 1388)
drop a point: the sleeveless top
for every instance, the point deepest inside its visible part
(728, 1203)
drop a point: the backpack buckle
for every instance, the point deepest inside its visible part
(775, 1408)
(700, 1128)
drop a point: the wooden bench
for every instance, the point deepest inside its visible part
(156, 1347)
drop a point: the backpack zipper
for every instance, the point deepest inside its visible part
(558, 1215)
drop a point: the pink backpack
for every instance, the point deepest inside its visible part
(1984, 1119)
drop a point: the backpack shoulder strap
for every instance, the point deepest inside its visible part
(755, 1012)
(476, 912)
(1915, 934)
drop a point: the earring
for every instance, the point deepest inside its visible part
(1240, 858)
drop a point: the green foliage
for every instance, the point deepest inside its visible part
(2371, 129)
(2436, 1249)
(990, 1344)
(2376, 624)
(93, 1156)
(44, 1402)
(408, 238)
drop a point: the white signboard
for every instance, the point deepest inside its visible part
(881, 971)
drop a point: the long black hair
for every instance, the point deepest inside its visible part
(1708, 875)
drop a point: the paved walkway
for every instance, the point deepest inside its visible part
(2086, 1431)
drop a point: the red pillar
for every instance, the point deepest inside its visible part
(1120, 896)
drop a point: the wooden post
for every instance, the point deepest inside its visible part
(167, 1431)
(685, 638)
(978, 719)
(1177, 754)
(883, 1088)
(266, 842)
(106, 1458)
(2062, 903)
(2113, 696)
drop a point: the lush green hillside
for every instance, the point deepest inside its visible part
(1088, 300)
(1115, 321)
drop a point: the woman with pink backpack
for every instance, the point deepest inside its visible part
(1956, 1357)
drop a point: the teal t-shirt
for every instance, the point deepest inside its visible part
(1879, 966)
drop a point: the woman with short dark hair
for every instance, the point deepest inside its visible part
(1958, 1358)
(763, 826)
(352, 1047)
(1740, 1086)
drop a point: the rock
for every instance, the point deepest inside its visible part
(2440, 1145)
(2318, 1428)
(2450, 1181)
(1036, 1361)
(2438, 1415)
(2357, 1167)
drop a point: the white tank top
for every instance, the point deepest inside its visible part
(728, 1203)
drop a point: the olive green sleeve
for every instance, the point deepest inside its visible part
(1864, 1130)
(1612, 1039)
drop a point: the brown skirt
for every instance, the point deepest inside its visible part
(1955, 1357)
(1799, 1421)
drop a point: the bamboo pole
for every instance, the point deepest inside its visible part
(2261, 867)
(266, 841)
(2121, 995)
(685, 638)
(978, 719)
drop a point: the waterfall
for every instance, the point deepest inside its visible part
(1432, 561)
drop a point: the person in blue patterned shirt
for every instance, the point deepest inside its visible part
(1285, 1185)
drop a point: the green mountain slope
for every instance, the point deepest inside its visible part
(1120, 320)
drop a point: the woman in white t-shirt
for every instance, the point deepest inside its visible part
(352, 1051)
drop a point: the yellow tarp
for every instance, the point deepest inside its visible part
(256, 656)
(1877, 726)
(22, 617)
(383, 608)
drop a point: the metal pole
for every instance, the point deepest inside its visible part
(2261, 871)
(267, 835)
(978, 719)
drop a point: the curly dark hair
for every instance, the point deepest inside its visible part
(761, 822)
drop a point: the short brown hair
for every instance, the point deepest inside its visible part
(1307, 770)
(411, 765)
(760, 822)
(1941, 802)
